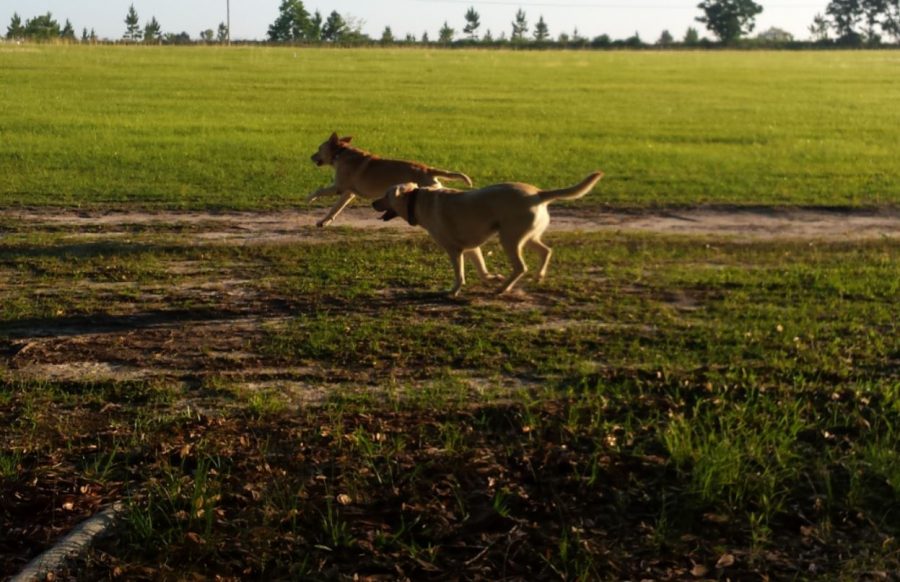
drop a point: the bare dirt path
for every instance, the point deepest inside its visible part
(151, 340)
(272, 226)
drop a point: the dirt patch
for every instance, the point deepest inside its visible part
(261, 227)
(146, 337)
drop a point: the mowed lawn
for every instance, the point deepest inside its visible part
(234, 127)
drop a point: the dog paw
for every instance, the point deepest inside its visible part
(324, 223)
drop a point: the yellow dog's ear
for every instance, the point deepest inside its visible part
(404, 188)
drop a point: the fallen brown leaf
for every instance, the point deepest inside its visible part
(725, 561)
(699, 571)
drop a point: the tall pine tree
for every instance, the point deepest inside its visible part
(132, 27)
(519, 26)
(472, 23)
(15, 29)
(541, 32)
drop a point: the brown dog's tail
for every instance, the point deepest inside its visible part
(573, 193)
(450, 175)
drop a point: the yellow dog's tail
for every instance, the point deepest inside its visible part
(450, 175)
(573, 193)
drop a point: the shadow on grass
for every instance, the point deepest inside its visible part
(104, 323)
(85, 250)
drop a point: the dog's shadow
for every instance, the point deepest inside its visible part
(427, 297)
(472, 296)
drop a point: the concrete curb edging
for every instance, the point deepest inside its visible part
(73, 544)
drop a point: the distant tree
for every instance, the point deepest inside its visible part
(280, 30)
(869, 11)
(15, 29)
(180, 38)
(93, 37)
(563, 38)
(891, 22)
(335, 27)
(84, 35)
(775, 35)
(488, 37)
(818, 30)
(300, 22)
(68, 31)
(874, 14)
(222, 33)
(691, 36)
(845, 16)
(42, 27)
(387, 36)
(729, 19)
(425, 39)
(207, 35)
(315, 27)
(132, 26)
(541, 32)
(472, 23)
(633, 41)
(602, 41)
(445, 34)
(665, 39)
(152, 32)
(410, 38)
(519, 26)
(292, 24)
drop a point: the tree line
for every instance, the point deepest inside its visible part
(45, 28)
(844, 23)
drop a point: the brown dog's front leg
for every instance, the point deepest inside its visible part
(322, 192)
(338, 207)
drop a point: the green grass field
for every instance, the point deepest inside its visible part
(272, 401)
(209, 127)
(659, 406)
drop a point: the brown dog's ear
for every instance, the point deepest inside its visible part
(347, 139)
(334, 137)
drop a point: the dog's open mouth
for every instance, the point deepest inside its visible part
(381, 205)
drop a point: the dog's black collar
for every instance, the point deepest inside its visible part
(412, 197)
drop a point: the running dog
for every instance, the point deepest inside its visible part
(360, 173)
(461, 222)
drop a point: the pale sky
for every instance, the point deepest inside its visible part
(250, 18)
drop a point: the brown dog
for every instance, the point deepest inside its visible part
(359, 173)
(461, 222)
